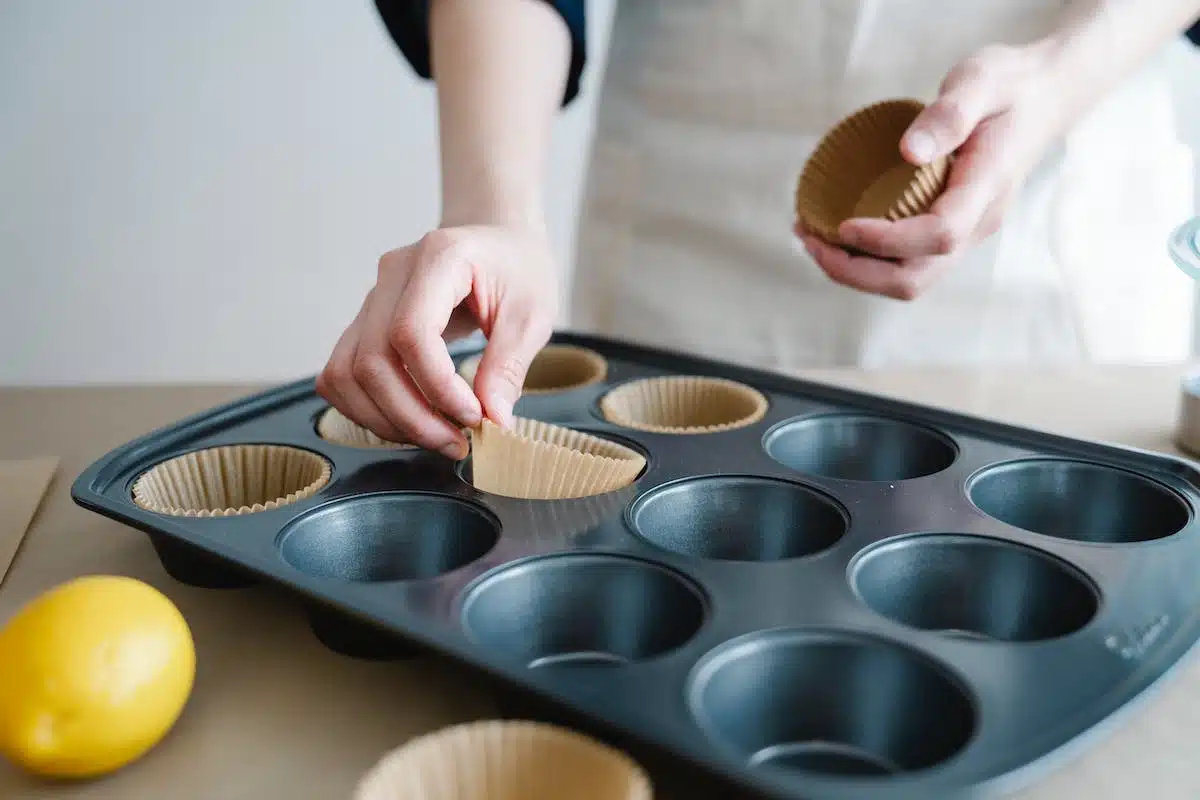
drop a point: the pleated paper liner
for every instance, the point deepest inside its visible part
(556, 368)
(683, 404)
(539, 461)
(333, 426)
(231, 480)
(505, 760)
(857, 170)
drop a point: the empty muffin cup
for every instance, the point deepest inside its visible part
(231, 480)
(1079, 500)
(739, 518)
(860, 447)
(683, 404)
(556, 368)
(333, 426)
(505, 760)
(832, 704)
(538, 461)
(857, 170)
(584, 609)
(974, 587)
(391, 536)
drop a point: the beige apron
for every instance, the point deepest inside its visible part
(709, 109)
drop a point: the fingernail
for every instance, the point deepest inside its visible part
(502, 408)
(455, 451)
(921, 145)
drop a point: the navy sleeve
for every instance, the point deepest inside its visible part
(407, 22)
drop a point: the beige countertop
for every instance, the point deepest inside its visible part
(275, 714)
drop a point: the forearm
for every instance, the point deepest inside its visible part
(500, 67)
(1100, 42)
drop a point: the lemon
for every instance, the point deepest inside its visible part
(93, 673)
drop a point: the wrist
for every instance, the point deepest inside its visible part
(519, 210)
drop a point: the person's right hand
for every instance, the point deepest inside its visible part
(391, 371)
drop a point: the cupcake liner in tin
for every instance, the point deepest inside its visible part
(556, 368)
(505, 760)
(231, 480)
(539, 461)
(683, 404)
(335, 427)
(857, 170)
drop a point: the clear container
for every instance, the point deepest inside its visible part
(1184, 247)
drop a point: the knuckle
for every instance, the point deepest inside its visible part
(435, 243)
(946, 240)
(952, 114)
(369, 369)
(511, 370)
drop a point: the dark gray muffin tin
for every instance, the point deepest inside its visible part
(854, 597)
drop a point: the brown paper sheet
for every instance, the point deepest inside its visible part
(23, 484)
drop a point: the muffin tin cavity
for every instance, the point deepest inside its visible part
(590, 609)
(1079, 500)
(832, 704)
(975, 587)
(683, 404)
(739, 519)
(388, 537)
(859, 447)
(231, 480)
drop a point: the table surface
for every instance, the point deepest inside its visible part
(275, 714)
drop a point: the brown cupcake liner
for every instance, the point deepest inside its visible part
(333, 426)
(231, 480)
(857, 170)
(505, 760)
(683, 404)
(539, 461)
(556, 368)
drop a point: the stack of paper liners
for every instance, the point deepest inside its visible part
(335, 427)
(538, 461)
(505, 760)
(556, 368)
(231, 480)
(684, 404)
(857, 170)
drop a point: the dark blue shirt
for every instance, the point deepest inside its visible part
(407, 22)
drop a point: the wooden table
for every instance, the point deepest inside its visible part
(276, 715)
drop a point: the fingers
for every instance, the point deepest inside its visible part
(435, 289)
(915, 237)
(382, 375)
(971, 93)
(888, 279)
(517, 335)
(336, 383)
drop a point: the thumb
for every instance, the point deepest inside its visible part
(971, 93)
(514, 340)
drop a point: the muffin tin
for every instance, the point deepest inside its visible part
(850, 596)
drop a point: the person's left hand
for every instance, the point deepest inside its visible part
(994, 112)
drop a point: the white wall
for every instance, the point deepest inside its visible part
(200, 190)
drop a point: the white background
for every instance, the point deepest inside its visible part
(197, 191)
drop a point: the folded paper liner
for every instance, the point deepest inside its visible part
(504, 760)
(683, 404)
(335, 427)
(538, 461)
(23, 484)
(231, 480)
(556, 368)
(857, 170)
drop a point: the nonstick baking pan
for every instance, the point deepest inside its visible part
(849, 597)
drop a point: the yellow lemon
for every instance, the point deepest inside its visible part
(93, 673)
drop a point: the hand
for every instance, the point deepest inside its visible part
(391, 370)
(994, 112)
